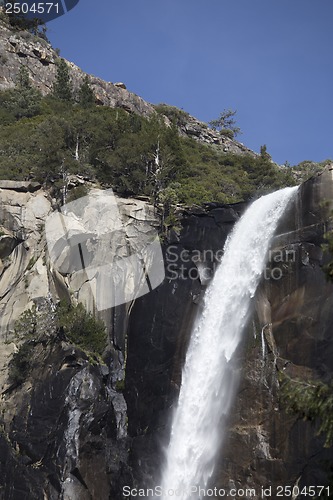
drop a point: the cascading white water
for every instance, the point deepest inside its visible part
(208, 379)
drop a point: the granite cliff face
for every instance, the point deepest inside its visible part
(70, 411)
(290, 332)
(22, 48)
(75, 429)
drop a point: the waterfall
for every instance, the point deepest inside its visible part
(208, 378)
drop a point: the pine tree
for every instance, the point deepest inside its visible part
(23, 80)
(62, 87)
(264, 154)
(86, 94)
(24, 100)
(226, 123)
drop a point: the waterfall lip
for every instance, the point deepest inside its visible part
(210, 367)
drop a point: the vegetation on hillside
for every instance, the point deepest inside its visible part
(307, 169)
(35, 327)
(82, 328)
(312, 400)
(43, 137)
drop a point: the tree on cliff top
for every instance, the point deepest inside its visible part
(226, 124)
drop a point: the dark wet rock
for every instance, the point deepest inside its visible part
(63, 438)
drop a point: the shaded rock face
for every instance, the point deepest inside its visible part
(293, 329)
(159, 329)
(62, 440)
(290, 332)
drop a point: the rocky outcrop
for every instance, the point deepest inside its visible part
(23, 48)
(201, 132)
(62, 440)
(32, 267)
(20, 186)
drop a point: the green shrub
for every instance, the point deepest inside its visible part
(82, 328)
(77, 192)
(120, 385)
(310, 400)
(20, 364)
(26, 325)
(34, 327)
(176, 116)
(227, 133)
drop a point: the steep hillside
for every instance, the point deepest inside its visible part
(23, 48)
(118, 139)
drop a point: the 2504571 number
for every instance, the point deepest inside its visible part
(305, 491)
(34, 8)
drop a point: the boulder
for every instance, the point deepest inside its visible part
(20, 186)
(120, 85)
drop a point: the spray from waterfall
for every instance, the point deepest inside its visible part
(209, 375)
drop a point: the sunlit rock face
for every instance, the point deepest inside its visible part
(19, 48)
(65, 427)
(28, 272)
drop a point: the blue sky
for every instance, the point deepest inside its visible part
(271, 60)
